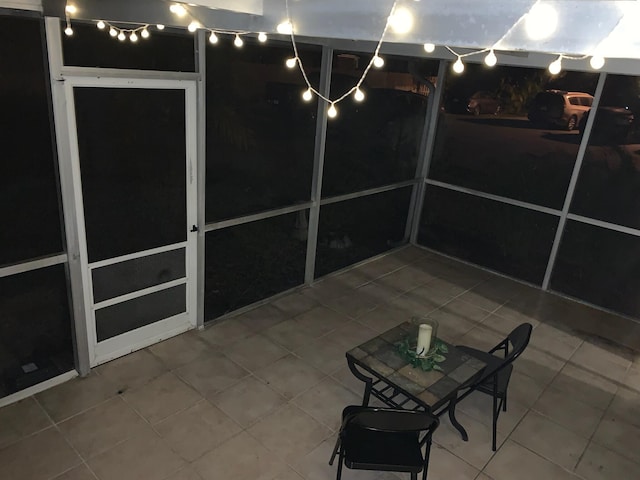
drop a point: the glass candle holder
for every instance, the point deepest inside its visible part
(427, 333)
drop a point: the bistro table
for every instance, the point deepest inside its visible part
(392, 379)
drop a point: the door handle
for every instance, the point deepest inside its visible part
(194, 228)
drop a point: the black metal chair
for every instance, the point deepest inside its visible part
(384, 439)
(495, 378)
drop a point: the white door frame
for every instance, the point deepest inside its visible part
(153, 333)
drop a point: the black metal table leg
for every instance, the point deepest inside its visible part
(368, 381)
(454, 420)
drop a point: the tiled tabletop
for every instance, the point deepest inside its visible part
(431, 389)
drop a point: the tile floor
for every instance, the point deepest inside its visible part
(259, 396)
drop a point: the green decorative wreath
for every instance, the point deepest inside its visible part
(427, 362)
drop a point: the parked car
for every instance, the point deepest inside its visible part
(483, 102)
(559, 108)
(612, 125)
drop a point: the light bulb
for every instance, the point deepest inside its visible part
(541, 21)
(145, 33)
(429, 47)
(378, 61)
(238, 42)
(101, 25)
(178, 10)
(193, 26)
(213, 38)
(332, 112)
(458, 67)
(401, 21)
(70, 9)
(113, 32)
(160, 26)
(358, 95)
(68, 31)
(291, 62)
(122, 36)
(556, 66)
(262, 37)
(307, 95)
(490, 60)
(285, 28)
(596, 62)
(133, 37)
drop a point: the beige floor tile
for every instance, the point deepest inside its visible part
(484, 299)
(196, 431)
(102, 427)
(326, 400)
(404, 279)
(351, 335)
(132, 370)
(186, 473)
(433, 294)
(524, 389)
(21, 419)
(450, 286)
(444, 464)
(323, 354)
(321, 320)
(290, 376)
(242, 457)
(539, 365)
(479, 406)
(453, 329)
(212, 374)
(354, 278)
(457, 309)
(384, 317)
(225, 332)
(255, 352)
(381, 266)
(626, 405)
(181, 350)
(248, 401)
(37, 457)
(584, 385)
(410, 253)
(289, 432)
(290, 334)
(600, 463)
(268, 315)
(618, 435)
(144, 456)
(415, 305)
(514, 311)
(325, 290)
(501, 325)
(355, 304)
(477, 451)
(515, 461)
(382, 293)
(294, 304)
(81, 472)
(76, 395)
(349, 380)
(604, 359)
(550, 440)
(555, 341)
(162, 397)
(288, 474)
(481, 338)
(483, 476)
(578, 417)
(632, 378)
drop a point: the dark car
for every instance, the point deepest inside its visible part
(612, 125)
(483, 102)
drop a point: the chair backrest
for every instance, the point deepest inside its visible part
(394, 420)
(519, 339)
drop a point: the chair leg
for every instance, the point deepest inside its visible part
(496, 412)
(427, 452)
(504, 402)
(335, 451)
(340, 462)
(414, 476)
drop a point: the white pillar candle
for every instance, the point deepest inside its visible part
(424, 339)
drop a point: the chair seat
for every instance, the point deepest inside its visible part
(385, 451)
(492, 363)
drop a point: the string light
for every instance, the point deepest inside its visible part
(285, 28)
(429, 47)
(541, 21)
(378, 62)
(596, 62)
(145, 33)
(291, 62)
(133, 37)
(68, 31)
(101, 25)
(193, 26)
(490, 60)
(307, 95)
(121, 36)
(358, 95)
(556, 66)
(213, 38)
(70, 9)
(262, 37)
(134, 33)
(178, 10)
(458, 67)
(332, 111)
(113, 32)
(238, 42)
(401, 20)
(160, 26)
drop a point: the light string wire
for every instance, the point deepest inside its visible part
(366, 70)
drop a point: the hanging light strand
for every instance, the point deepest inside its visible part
(356, 87)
